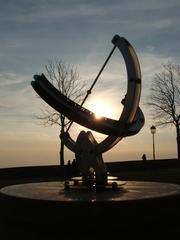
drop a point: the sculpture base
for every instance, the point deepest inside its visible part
(76, 183)
(49, 203)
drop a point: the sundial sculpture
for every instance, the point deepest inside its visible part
(87, 151)
(85, 198)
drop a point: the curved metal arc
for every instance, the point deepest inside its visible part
(68, 141)
(72, 110)
(131, 101)
(134, 78)
(110, 141)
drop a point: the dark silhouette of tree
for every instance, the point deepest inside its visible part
(65, 78)
(164, 98)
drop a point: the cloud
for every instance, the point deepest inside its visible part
(4, 107)
(16, 95)
(37, 12)
(10, 78)
(32, 33)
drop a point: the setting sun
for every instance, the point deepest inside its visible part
(101, 109)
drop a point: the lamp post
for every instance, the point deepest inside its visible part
(153, 131)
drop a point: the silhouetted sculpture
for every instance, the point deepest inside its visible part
(88, 157)
(87, 151)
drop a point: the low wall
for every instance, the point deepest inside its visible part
(141, 165)
(54, 171)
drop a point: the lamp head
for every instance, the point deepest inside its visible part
(153, 129)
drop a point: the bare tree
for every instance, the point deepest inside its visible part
(165, 98)
(66, 79)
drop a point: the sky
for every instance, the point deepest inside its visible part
(79, 32)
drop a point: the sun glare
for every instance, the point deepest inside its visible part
(101, 109)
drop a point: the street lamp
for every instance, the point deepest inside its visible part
(153, 131)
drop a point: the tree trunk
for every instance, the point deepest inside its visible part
(61, 153)
(178, 140)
